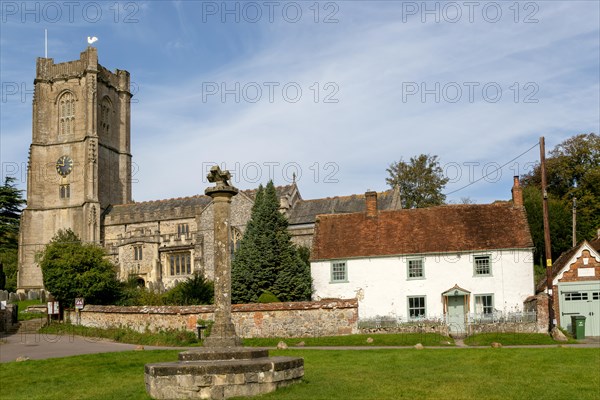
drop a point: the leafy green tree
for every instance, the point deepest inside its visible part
(11, 203)
(560, 226)
(420, 181)
(267, 261)
(74, 269)
(572, 170)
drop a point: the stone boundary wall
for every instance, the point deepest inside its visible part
(426, 327)
(7, 317)
(298, 319)
(539, 304)
(506, 327)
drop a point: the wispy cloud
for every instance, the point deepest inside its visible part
(371, 62)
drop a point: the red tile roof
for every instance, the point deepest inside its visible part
(440, 229)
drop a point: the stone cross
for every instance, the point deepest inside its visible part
(223, 332)
(221, 178)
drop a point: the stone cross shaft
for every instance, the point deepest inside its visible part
(223, 332)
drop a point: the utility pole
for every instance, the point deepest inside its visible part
(547, 234)
(574, 221)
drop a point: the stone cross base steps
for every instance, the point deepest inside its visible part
(221, 373)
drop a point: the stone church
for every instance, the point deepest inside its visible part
(79, 177)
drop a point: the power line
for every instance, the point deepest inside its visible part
(495, 171)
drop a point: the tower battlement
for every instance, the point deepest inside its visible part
(49, 72)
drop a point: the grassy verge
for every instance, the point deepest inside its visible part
(23, 315)
(512, 339)
(392, 339)
(492, 374)
(125, 335)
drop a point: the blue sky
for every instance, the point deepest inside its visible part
(331, 91)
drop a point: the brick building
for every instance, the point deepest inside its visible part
(576, 286)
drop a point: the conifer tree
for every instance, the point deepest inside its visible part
(11, 203)
(267, 260)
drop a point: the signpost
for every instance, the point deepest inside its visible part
(78, 308)
(79, 303)
(53, 308)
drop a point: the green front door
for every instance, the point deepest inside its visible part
(456, 314)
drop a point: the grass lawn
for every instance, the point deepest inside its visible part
(185, 338)
(510, 339)
(181, 338)
(345, 374)
(388, 339)
(23, 307)
(124, 335)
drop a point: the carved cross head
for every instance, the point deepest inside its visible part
(221, 178)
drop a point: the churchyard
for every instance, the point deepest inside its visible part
(485, 373)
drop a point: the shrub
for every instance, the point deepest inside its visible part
(193, 291)
(132, 294)
(268, 297)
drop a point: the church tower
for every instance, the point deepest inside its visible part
(79, 158)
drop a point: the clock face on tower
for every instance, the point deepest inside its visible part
(64, 165)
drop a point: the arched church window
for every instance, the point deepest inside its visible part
(236, 240)
(66, 112)
(105, 113)
(65, 191)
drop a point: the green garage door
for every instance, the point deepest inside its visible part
(580, 298)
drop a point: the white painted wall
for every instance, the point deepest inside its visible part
(382, 286)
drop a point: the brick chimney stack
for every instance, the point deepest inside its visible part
(371, 199)
(517, 193)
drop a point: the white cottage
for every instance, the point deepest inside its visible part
(445, 261)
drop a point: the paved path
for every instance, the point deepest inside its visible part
(38, 346)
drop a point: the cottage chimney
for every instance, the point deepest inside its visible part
(517, 193)
(371, 199)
